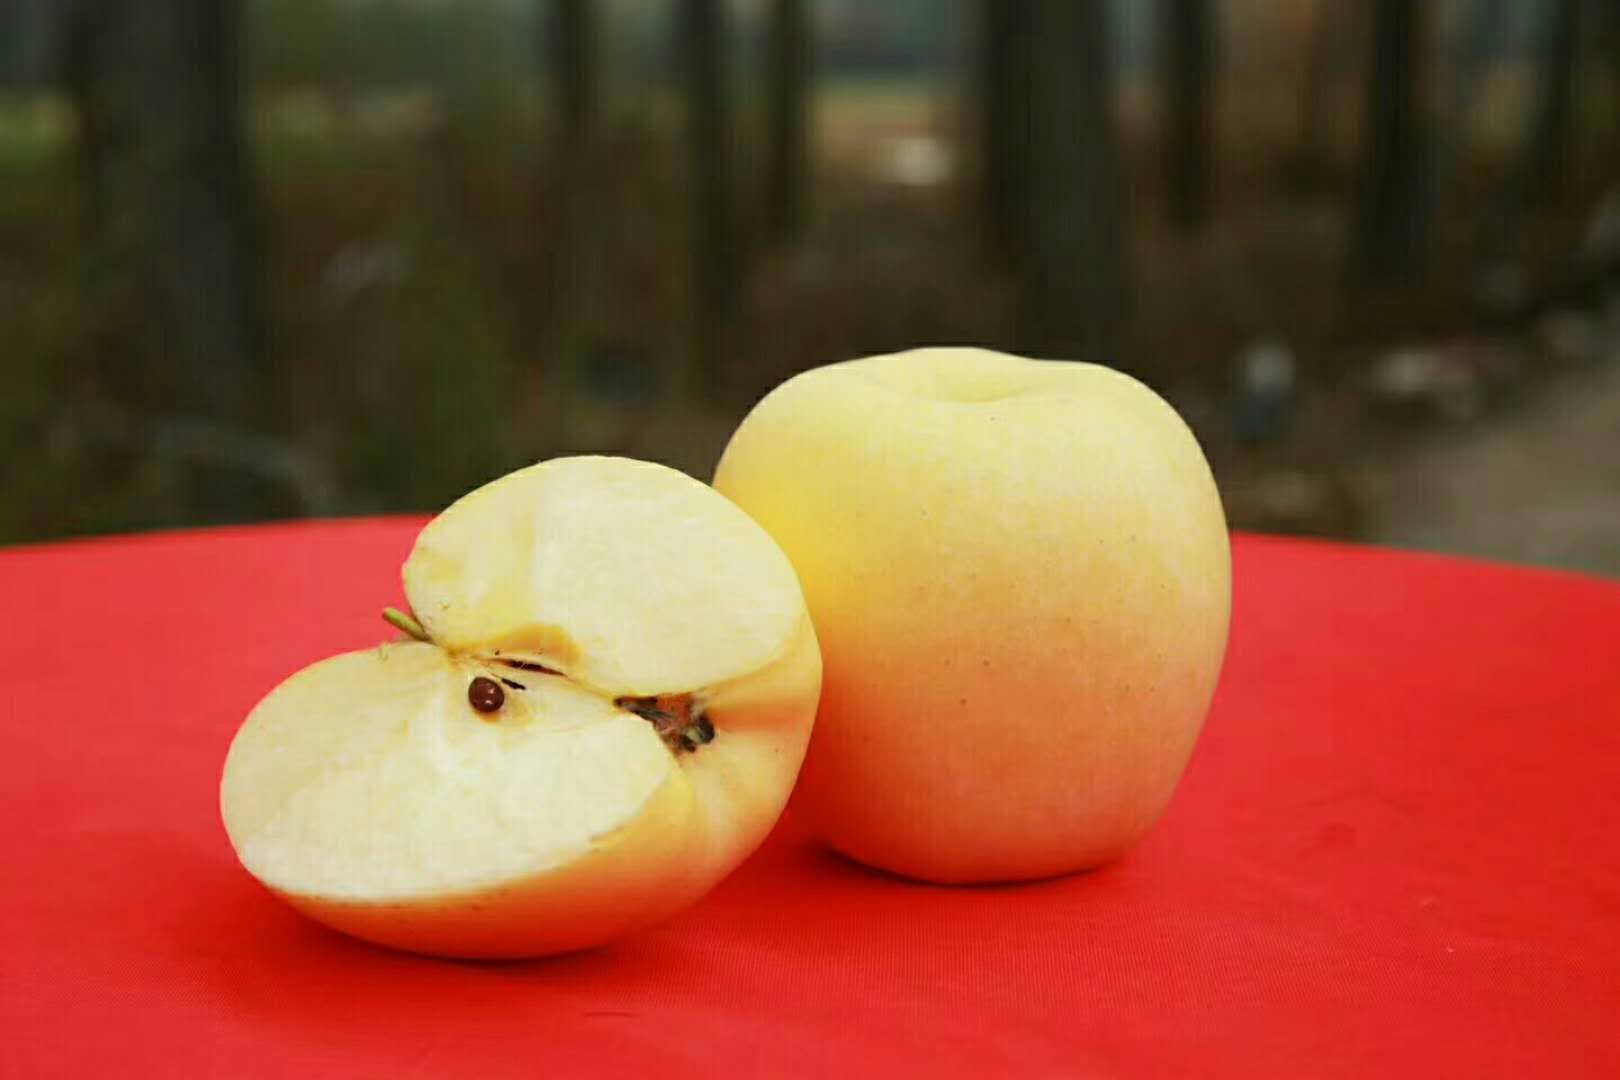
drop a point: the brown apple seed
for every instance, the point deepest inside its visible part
(485, 694)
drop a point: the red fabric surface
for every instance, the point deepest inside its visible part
(1396, 852)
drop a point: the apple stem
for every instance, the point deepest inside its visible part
(401, 621)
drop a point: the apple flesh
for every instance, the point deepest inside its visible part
(1020, 576)
(657, 675)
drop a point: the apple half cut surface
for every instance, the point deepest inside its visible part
(600, 710)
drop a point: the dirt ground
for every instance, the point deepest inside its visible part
(1539, 484)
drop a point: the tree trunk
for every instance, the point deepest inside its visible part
(570, 41)
(24, 30)
(1478, 39)
(1062, 186)
(1394, 200)
(788, 73)
(568, 48)
(1547, 162)
(169, 196)
(1003, 117)
(171, 222)
(1189, 34)
(1541, 172)
(702, 41)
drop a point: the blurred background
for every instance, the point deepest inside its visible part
(274, 258)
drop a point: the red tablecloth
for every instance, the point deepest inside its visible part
(1397, 851)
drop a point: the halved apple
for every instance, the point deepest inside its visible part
(605, 711)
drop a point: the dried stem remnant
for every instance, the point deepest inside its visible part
(678, 719)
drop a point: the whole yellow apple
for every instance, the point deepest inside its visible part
(1020, 576)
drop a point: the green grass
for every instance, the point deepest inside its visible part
(33, 133)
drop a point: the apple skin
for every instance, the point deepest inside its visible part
(1020, 575)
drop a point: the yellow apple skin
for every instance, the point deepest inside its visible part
(1020, 575)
